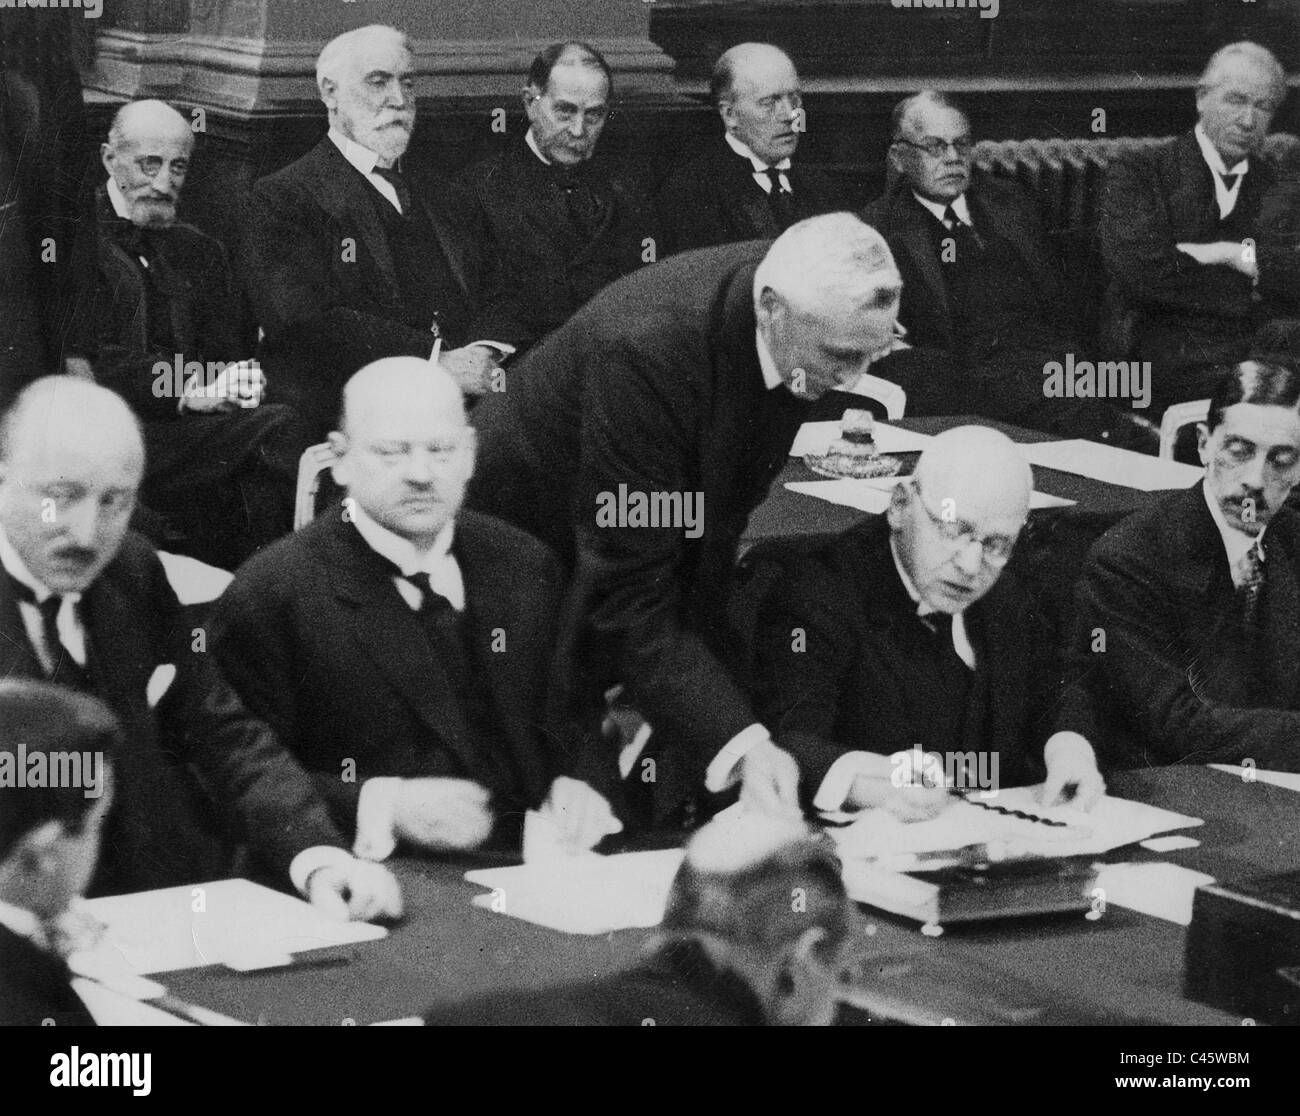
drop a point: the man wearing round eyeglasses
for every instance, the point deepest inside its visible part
(980, 283)
(557, 219)
(911, 633)
(747, 186)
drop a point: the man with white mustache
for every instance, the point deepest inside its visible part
(355, 254)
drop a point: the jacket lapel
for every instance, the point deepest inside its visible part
(915, 238)
(345, 195)
(1282, 606)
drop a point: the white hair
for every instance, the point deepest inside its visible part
(1262, 57)
(832, 261)
(337, 50)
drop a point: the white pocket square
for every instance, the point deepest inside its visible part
(159, 683)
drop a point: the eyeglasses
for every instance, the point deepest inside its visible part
(996, 549)
(150, 165)
(936, 148)
(773, 103)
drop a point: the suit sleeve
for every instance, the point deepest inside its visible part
(689, 216)
(638, 431)
(293, 248)
(1138, 241)
(258, 785)
(1146, 674)
(804, 652)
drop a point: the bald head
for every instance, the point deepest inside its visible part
(71, 460)
(148, 156)
(756, 89)
(957, 518)
(405, 452)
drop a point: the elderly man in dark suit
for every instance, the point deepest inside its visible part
(357, 255)
(557, 221)
(911, 634)
(636, 440)
(746, 186)
(86, 604)
(1187, 648)
(220, 466)
(1179, 226)
(979, 280)
(400, 649)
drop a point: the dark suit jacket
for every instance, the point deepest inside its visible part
(162, 830)
(1152, 200)
(35, 986)
(655, 385)
(190, 271)
(316, 638)
(857, 686)
(542, 272)
(675, 987)
(1279, 243)
(714, 199)
(1170, 686)
(326, 315)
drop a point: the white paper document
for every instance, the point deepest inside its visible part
(871, 494)
(1160, 890)
(1288, 779)
(240, 923)
(584, 894)
(877, 834)
(816, 437)
(1113, 465)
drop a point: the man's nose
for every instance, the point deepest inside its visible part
(1253, 473)
(80, 522)
(421, 468)
(578, 127)
(969, 557)
(397, 95)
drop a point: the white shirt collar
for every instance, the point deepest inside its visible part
(1236, 544)
(771, 374)
(24, 923)
(960, 639)
(115, 195)
(1212, 156)
(402, 552)
(743, 150)
(360, 157)
(531, 140)
(939, 208)
(17, 569)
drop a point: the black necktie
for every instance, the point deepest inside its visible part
(585, 209)
(441, 622)
(782, 200)
(67, 671)
(1230, 181)
(940, 625)
(968, 240)
(393, 176)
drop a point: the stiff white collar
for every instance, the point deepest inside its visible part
(745, 152)
(959, 207)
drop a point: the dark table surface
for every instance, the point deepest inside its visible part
(445, 949)
(786, 514)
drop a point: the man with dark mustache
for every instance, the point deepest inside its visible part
(1187, 642)
(355, 252)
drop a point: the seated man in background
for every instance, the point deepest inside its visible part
(1179, 226)
(49, 841)
(356, 253)
(980, 282)
(733, 949)
(744, 185)
(555, 219)
(400, 647)
(1187, 648)
(85, 603)
(221, 466)
(910, 631)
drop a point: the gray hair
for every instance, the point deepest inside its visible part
(833, 260)
(338, 49)
(1260, 56)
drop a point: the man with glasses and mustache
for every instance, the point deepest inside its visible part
(220, 465)
(746, 186)
(979, 281)
(1179, 228)
(1187, 646)
(356, 251)
(558, 220)
(912, 631)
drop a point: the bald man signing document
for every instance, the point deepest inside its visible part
(911, 634)
(85, 603)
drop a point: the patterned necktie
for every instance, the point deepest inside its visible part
(67, 671)
(395, 178)
(782, 200)
(1250, 585)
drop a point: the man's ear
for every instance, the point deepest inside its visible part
(329, 92)
(896, 162)
(728, 114)
(898, 502)
(530, 97)
(36, 853)
(1203, 442)
(107, 157)
(338, 444)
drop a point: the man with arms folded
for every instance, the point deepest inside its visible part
(399, 646)
(85, 603)
(911, 631)
(357, 255)
(1187, 646)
